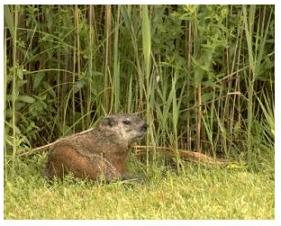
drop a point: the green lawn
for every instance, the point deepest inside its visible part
(199, 192)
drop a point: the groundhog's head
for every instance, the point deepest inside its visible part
(125, 128)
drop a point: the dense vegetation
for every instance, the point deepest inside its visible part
(202, 76)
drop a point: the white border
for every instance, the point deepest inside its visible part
(149, 2)
(277, 220)
(2, 113)
(145, 222)
(277, 112)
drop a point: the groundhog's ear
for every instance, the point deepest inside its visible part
(109, 121)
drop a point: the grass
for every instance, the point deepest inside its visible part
(200, 193)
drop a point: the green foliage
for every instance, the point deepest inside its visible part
(201, 75)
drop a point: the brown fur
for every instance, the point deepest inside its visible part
(100, 152)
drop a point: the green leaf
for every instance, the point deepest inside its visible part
(78, 85)
(26, 99)
(9, 20)
(146, 38)
(37, 80)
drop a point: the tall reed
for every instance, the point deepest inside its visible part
(201, 75)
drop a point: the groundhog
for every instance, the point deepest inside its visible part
(99, 153)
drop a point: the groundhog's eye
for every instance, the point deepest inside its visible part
(127, 122)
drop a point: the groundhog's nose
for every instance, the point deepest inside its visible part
(144, 126)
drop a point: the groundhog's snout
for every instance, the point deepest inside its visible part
(144, 127)
(141, 129)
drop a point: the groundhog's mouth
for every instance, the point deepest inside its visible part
(142, 131)
(140, 135)
(144, 127)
